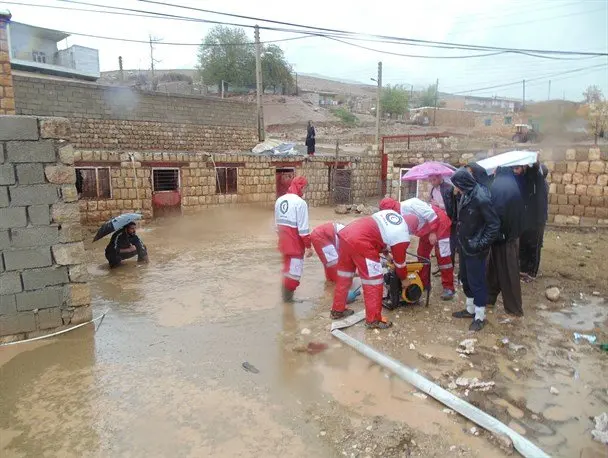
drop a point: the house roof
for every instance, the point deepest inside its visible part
(55, 35)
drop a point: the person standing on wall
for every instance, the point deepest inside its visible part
(291, 219)
(310, 139)
(503, 266)
(535, 194)
(361, 243)
(477, 230)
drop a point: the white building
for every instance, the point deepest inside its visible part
(36, 49)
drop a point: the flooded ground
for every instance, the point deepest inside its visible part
(163, 373)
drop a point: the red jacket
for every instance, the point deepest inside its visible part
(424, 219)
(327, 233)
(291, 219)
(370, 235)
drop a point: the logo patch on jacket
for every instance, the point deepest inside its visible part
(394, 218)
(284, 207)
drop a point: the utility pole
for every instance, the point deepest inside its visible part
(524, 95)
(549, 95)
(121, 73)
(153, 61)
(259, 85)
(222, 92)
(378, 110)
(297, 92)
(436, 100)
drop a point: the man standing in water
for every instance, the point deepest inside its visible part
(125, 244)
(291, 219)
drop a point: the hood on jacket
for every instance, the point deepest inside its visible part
(464, 181)
(297, 186)
(388, 203)
(479, 173)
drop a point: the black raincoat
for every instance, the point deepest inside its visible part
(508, 204)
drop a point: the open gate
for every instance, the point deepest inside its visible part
(340, 180)
(166, 196)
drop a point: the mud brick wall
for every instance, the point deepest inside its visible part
(7, 96)
(42, 272)
(120, 118)
(578, 186)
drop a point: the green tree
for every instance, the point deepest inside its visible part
(427, 98)
(276, 71)
(394, 100)
(227, 54)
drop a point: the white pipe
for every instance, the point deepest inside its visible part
(521, 444)
(132, 157)
(55, 333)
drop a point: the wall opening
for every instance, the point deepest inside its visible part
(407, 189)
(284, 175)
(166, 196)
(93, 182)
(226, 180)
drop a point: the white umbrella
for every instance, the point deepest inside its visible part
(509, 159)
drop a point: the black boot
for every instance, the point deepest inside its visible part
(287, 294)
(463, 314)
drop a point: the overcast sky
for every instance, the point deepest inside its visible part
(534, 24)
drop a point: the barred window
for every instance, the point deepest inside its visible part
(93, 182)
(226, 182)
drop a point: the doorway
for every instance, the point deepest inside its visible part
(284, 176)
(166, 196)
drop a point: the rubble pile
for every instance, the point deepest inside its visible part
(359, 209)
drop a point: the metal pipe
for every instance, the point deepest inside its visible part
(521, 444)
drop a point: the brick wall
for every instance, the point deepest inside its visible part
(42, 273)
(256, 182)
(7, 97)
(119, 118)
(578, 189)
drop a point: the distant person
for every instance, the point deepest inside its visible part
(535, 193)
(291, 219)
(442, 195)
(324, 240)
(125, 244)
(310, 139)
(361, 243)
(503, 265)
(478, 226)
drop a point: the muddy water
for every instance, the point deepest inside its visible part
(163, 374)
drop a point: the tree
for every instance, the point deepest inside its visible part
(598, 119)
(593, 94)
(428, 97)
(227, 54)
(394, 100)
(276, 71)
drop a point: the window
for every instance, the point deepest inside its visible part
(508, 120)
(39, 56)
(93, 182)
(226, 181)
(165, 180)
(408, 189)
(487, 122)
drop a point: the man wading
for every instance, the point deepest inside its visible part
(125, 244)
(477, 229)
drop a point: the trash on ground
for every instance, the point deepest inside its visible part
(553, 293)
(553, 390)
(515, 347)
(588, 337)
(600, 433)
(305, 331)
(275, 147)
(467, 346)
(250, 368)
(474, 431)
(412, 347)
(420, 395)
(595, 293)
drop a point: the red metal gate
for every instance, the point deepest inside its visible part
(283, 179)
(166, 196)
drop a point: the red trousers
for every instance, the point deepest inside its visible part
(444, 259)
(372, 280)
(328, 255)
(292, 271)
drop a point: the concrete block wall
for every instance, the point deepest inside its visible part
(578, 187)
(121, 118)
(7, 96)
(42, 274)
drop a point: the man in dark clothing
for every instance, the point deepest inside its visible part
(477, 229)
(310, 139)
(503, 266)
(125, 244)
(535, 197)
(480, 174)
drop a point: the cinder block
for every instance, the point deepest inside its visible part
(17, 324)
(10, 283)
(34, 236)
(70, 233)
(49, 318)
(69, 253)
(39, 215)
(5, 241)
(8, 305)
(78, 273)
(40, 278)
(65, 213)
(4, 196)
(40, 299)
(40, 151)
(55, 127)
(12, 217)
(28, 259)
(30, 173)
(34, 194)
(18, 128)
(7, 174)
(77, 294)
(60, 174)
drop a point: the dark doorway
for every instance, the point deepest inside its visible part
(166, 196)
(283, 179)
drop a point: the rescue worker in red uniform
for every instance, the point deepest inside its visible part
(291, 219)
(361, 243)
(432, 226)
(324, 240)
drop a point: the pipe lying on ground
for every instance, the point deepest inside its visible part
(521, 444)
(100, 317)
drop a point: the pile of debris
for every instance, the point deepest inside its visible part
(356, 209)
